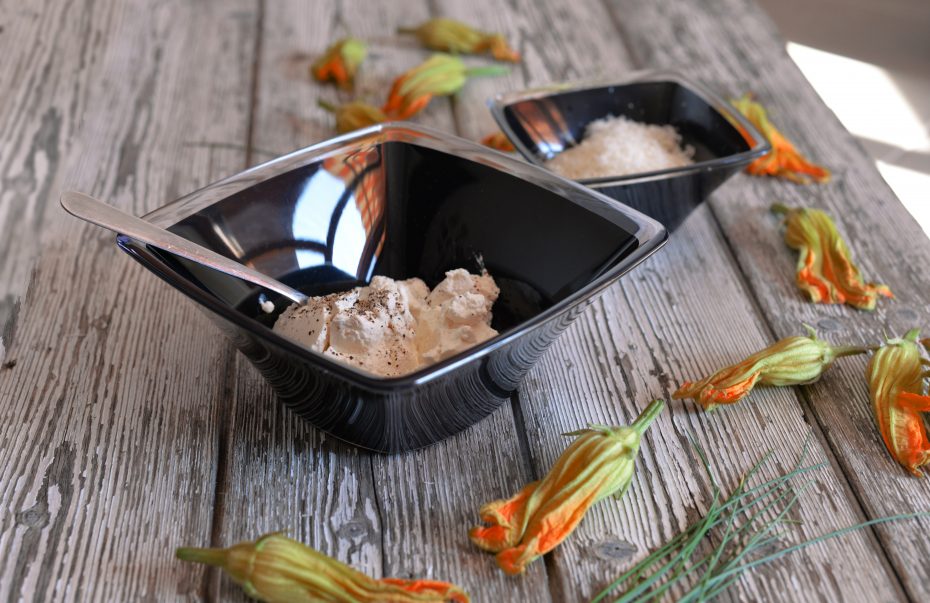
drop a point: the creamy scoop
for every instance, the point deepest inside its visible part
(393, 328)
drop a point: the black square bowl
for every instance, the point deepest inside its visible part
(543, 122)
(402, 201)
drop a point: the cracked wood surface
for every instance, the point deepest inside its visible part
(125, 436)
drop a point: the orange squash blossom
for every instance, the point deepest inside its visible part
(456, 37)
(790, 361)
(825, 270)
(276, 569)
(896, 375)
(784, 160)
(340, 62)
(440, 75)
(597, 464)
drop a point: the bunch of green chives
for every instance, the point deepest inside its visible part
(744, 537)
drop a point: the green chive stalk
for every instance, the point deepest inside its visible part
(744, 538)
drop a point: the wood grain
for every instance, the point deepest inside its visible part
(108, 439)
(736, 47)
(40, 112)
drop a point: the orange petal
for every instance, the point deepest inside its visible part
(710, 392)
(501, 51)
(442, 591)
(784, 160)
(505, 519)
(598, 463)
(826, 272)
(711, 396)
(914, 402)
(514, 560)
(498, 140)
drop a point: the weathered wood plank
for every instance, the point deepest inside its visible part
(638, 342)
(110, 415)
(734, 46)
(403, 515)
(430, 498)
(279, 473)
(40, 111)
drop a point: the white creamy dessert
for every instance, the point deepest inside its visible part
(392, 328)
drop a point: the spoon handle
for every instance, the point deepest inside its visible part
(97, 212)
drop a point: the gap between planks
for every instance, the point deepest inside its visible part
(225, 427)
(253, 89)
(226, 410)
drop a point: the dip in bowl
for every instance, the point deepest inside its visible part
(401, 201)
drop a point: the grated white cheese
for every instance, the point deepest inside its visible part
(616, 146)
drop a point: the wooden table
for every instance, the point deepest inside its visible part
(130, 426)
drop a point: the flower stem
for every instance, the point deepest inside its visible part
(214, 557)
(645, 419)
(488, 70)
(780, 208)
(852, 350)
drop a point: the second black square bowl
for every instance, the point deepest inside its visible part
(543, 122)
(402, 201)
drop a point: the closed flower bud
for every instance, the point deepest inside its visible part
(276, 569)
(354, 115)
(791, 361)
(825, 270)
(456, 37)
(534, 521)
(340, 62)
(440, 75)
(896, 376)
(783, 160)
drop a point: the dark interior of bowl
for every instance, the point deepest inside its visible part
(403, 210)
(546, 126)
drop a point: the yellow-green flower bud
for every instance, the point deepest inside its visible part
(340, 62)
(457, 37)
(276, 569)
(599, 463)
(896, 376)
(355, 115)
(790, 361)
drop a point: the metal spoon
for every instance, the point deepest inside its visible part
(97, 212)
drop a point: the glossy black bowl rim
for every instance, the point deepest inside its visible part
(651, 236)
(499, 103)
